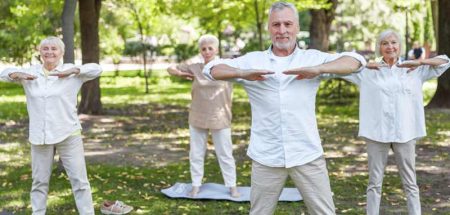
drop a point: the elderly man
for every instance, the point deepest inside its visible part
(282, 84)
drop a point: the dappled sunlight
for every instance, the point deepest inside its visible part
(141, 144)
(16, 98)
(12, 154)
(433, 169)
(16, 203)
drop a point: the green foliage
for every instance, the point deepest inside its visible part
(358, 23)
(417, 11)
(428, 25)
(185, 51)
(216, 16)
(135, 48)
(23, 24)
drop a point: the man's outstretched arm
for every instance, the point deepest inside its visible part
(224, 72)
(342, 65)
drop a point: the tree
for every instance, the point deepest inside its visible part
(259, 18)
(319, 31)
(142, 15)
(441, 98)
(89, 11)
(23, 24)
(246, 16)
(68, 20)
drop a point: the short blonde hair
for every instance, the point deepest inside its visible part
(383, 36)
(208, 38)
(53, 41)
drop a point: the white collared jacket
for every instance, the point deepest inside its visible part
(52, 101)
(391, 101)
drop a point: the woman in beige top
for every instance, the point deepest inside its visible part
(210, 111)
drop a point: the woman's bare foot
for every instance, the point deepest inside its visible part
(234, 192)
(194, 191)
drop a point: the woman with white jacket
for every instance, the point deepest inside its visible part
(51, 91)
(391, 115)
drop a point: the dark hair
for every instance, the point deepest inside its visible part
(417, 52)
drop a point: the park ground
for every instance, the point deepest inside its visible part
(140, 146)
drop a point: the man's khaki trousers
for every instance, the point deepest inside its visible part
(311, 180)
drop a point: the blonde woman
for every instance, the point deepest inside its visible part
(51, 91)
(391, 115)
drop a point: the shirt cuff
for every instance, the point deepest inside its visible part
(443, 57)
(6, 72)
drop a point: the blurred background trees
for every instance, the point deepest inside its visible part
(155, 31)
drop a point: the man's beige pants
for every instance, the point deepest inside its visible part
(405, 157)
(72, 156)
(311, 180)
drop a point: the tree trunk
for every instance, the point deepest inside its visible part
(434, 12)
(68, 16)
(319, 30)
(219, 37)
(90, 92)
(67, 20)
(441, 98)
(259, 22)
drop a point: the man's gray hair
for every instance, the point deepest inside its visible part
(208, 38)
(53, 41)
(383, 36)
(277, 6)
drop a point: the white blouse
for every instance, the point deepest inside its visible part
(52, 101)
(391, 101)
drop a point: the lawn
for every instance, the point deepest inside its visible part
(140, 146)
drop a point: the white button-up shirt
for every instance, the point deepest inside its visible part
(52, 101)
(284, 129)
(391, 101)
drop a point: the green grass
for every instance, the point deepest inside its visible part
(165, 107)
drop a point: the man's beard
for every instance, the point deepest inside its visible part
(284, 45)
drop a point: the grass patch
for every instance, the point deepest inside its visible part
(136, 120)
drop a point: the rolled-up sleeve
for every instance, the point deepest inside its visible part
(349, 77)
(4, 75)
(358, 57)
(89, 71)
(428, 72)
(210, 65)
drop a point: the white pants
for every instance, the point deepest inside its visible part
(311, 180)
(72, 156)
(224, 152)
(405, 158)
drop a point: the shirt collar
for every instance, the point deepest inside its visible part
(272, 56)
(399, 61)
(59, 67)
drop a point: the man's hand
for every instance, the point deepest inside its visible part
(304, 72)
(21, 76)
(376, 66)
(65, 73)
(411, 64)
(254, 74)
